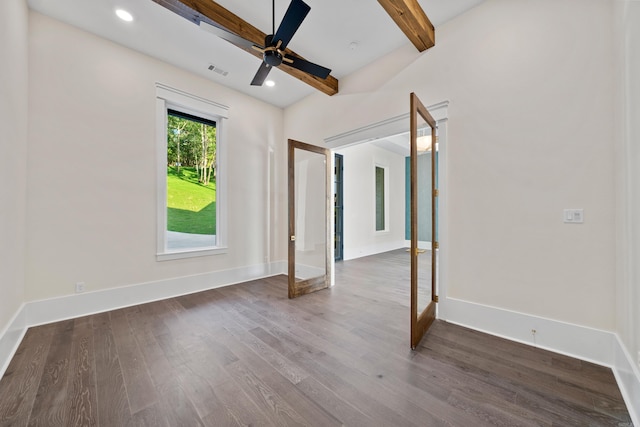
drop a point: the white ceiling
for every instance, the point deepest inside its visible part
(324, 37)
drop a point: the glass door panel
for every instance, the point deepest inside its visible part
(309, 208)
(423, 220)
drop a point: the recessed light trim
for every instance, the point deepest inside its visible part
(270, 83)
(124, 15)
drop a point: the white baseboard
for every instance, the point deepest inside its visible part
(71, 306)
(11, 337)
(628, 379)
(589, 344)
(362, 251)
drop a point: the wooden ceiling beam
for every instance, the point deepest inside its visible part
(214, 14)
(414, 23)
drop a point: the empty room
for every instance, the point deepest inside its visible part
(180, 176)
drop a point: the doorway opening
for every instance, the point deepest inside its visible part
(376, 175)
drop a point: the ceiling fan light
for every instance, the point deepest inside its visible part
(124, 15)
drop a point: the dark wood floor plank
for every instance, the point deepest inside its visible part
(19, 384)
(141, 391)
(247, 355)
(82, 402)
(152, 416)
(240, 407)
(314, 414)
(271, 404)
(50, 404)
(177, 407)
(155, 359)
(113, 405)
(334, 404)
(352, 392)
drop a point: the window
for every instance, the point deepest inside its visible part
(380, 199)
(191, 179)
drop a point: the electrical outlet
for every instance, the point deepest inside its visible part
(79, 287)
(533, 332)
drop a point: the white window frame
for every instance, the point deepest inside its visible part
(386, 198)
(175, 99)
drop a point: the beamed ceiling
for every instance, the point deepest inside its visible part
(343, 35)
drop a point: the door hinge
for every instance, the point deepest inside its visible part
(436, 245)
(436, 299)
(436, 193)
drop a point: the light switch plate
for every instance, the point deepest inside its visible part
(573, 216)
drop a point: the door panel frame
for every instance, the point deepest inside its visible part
(421, 321)
(303, 287)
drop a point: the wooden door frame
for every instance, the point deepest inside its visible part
(297, 289)
(420, 322)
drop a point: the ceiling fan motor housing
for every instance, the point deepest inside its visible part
(271, 54)
(272, 57)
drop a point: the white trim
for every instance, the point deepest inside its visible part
(168, 97)
(422, 244)
(362, 251)
(76, 305)
(443, 213)
(393, 126)
(190, 101)
(581, 342)
(385, 201)
(11, 338)
(628, 378)
(191, 253)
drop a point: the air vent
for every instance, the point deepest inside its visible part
(218, 70)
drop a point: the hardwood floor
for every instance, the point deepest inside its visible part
(246, 355)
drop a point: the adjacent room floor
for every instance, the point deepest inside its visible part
(246, 355)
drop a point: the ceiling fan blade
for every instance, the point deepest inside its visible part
(293, 17)
(307, 67)
(261, 75)
(228, 36)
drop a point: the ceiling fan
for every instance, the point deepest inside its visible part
(273, 51)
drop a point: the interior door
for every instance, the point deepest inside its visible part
(424, 196)
(309, 218)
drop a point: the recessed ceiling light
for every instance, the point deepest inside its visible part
(124, 15)
(270, 83)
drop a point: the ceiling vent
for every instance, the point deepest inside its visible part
(218, 70)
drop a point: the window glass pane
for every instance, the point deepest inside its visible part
(379, 198)
(191, 181)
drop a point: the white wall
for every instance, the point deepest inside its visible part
(360, 235)
(530, 131)
(91, 210)
(628, 177)
(13, 152)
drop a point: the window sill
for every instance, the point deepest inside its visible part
(191, 253)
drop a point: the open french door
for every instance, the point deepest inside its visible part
(424, 196)
(310, 238)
